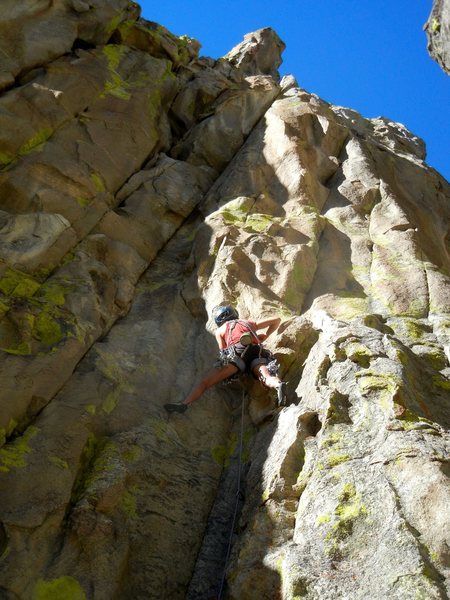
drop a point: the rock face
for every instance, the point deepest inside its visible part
(140, 186)
(438, 33)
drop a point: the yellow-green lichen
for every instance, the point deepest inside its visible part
(434, 556)
(13, 455)
(347, 307)
(235, 212)
(115, 22)
(33, 310)
(279, 567)
(441, 382)
(111, 400)
(63, 588)
(386, 385)
(301, 483)
(54, 292)
(358, 353)
(125, 28)
(159, 429)
(36, 142)
(410, 328)
(334, 459)
(321, 519)
(91, 409)
(110, 365)
(129, 502)
(3, 308)
(222, 453)
(83, 202)
(331, 439)
(116, 85)
(17, 284)
(350, 507)
(259, 222)
(434, 356)
(98, 182)
(132, 454)
(22, 349)
(59, 462)
(6, 158)
(97, 458)
(11, 427)
(300, 277)
(435, 25)
(386, 272)
(47, 329)
(409, 420)
(265, 495)
(348, 510)
(5, 433)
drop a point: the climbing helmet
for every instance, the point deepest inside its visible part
(224, 313)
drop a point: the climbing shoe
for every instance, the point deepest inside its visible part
(281, 394)
(179, 408)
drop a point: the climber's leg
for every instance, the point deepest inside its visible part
(271, 381)
(208, 381)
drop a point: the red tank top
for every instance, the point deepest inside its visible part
(236, 328)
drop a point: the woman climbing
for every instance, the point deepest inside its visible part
(240, 350)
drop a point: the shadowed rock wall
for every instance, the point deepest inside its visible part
(140, 186)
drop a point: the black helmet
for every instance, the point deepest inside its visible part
(224, 313)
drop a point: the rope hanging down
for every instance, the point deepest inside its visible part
(238, 497)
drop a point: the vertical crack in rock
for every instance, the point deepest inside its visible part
(208, 578)
(429, 569)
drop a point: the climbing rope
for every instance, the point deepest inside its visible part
(238, 497)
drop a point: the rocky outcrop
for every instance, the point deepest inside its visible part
(141, 186)
(438, 33)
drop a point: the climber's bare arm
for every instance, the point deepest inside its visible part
(270, 324)
(220, 337)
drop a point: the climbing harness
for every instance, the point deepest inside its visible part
(248, 333)
(239, 497)
(235, 353)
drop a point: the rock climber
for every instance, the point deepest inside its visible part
(240, 350)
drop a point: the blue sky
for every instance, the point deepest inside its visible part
(369, 55)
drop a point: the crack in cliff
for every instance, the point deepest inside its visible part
(430, 570)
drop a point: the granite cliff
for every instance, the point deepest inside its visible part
(140, 186)
(438, 33)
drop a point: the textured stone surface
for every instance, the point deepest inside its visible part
(35, 32)
(438, 33)
(260, 52)
(140, 186)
